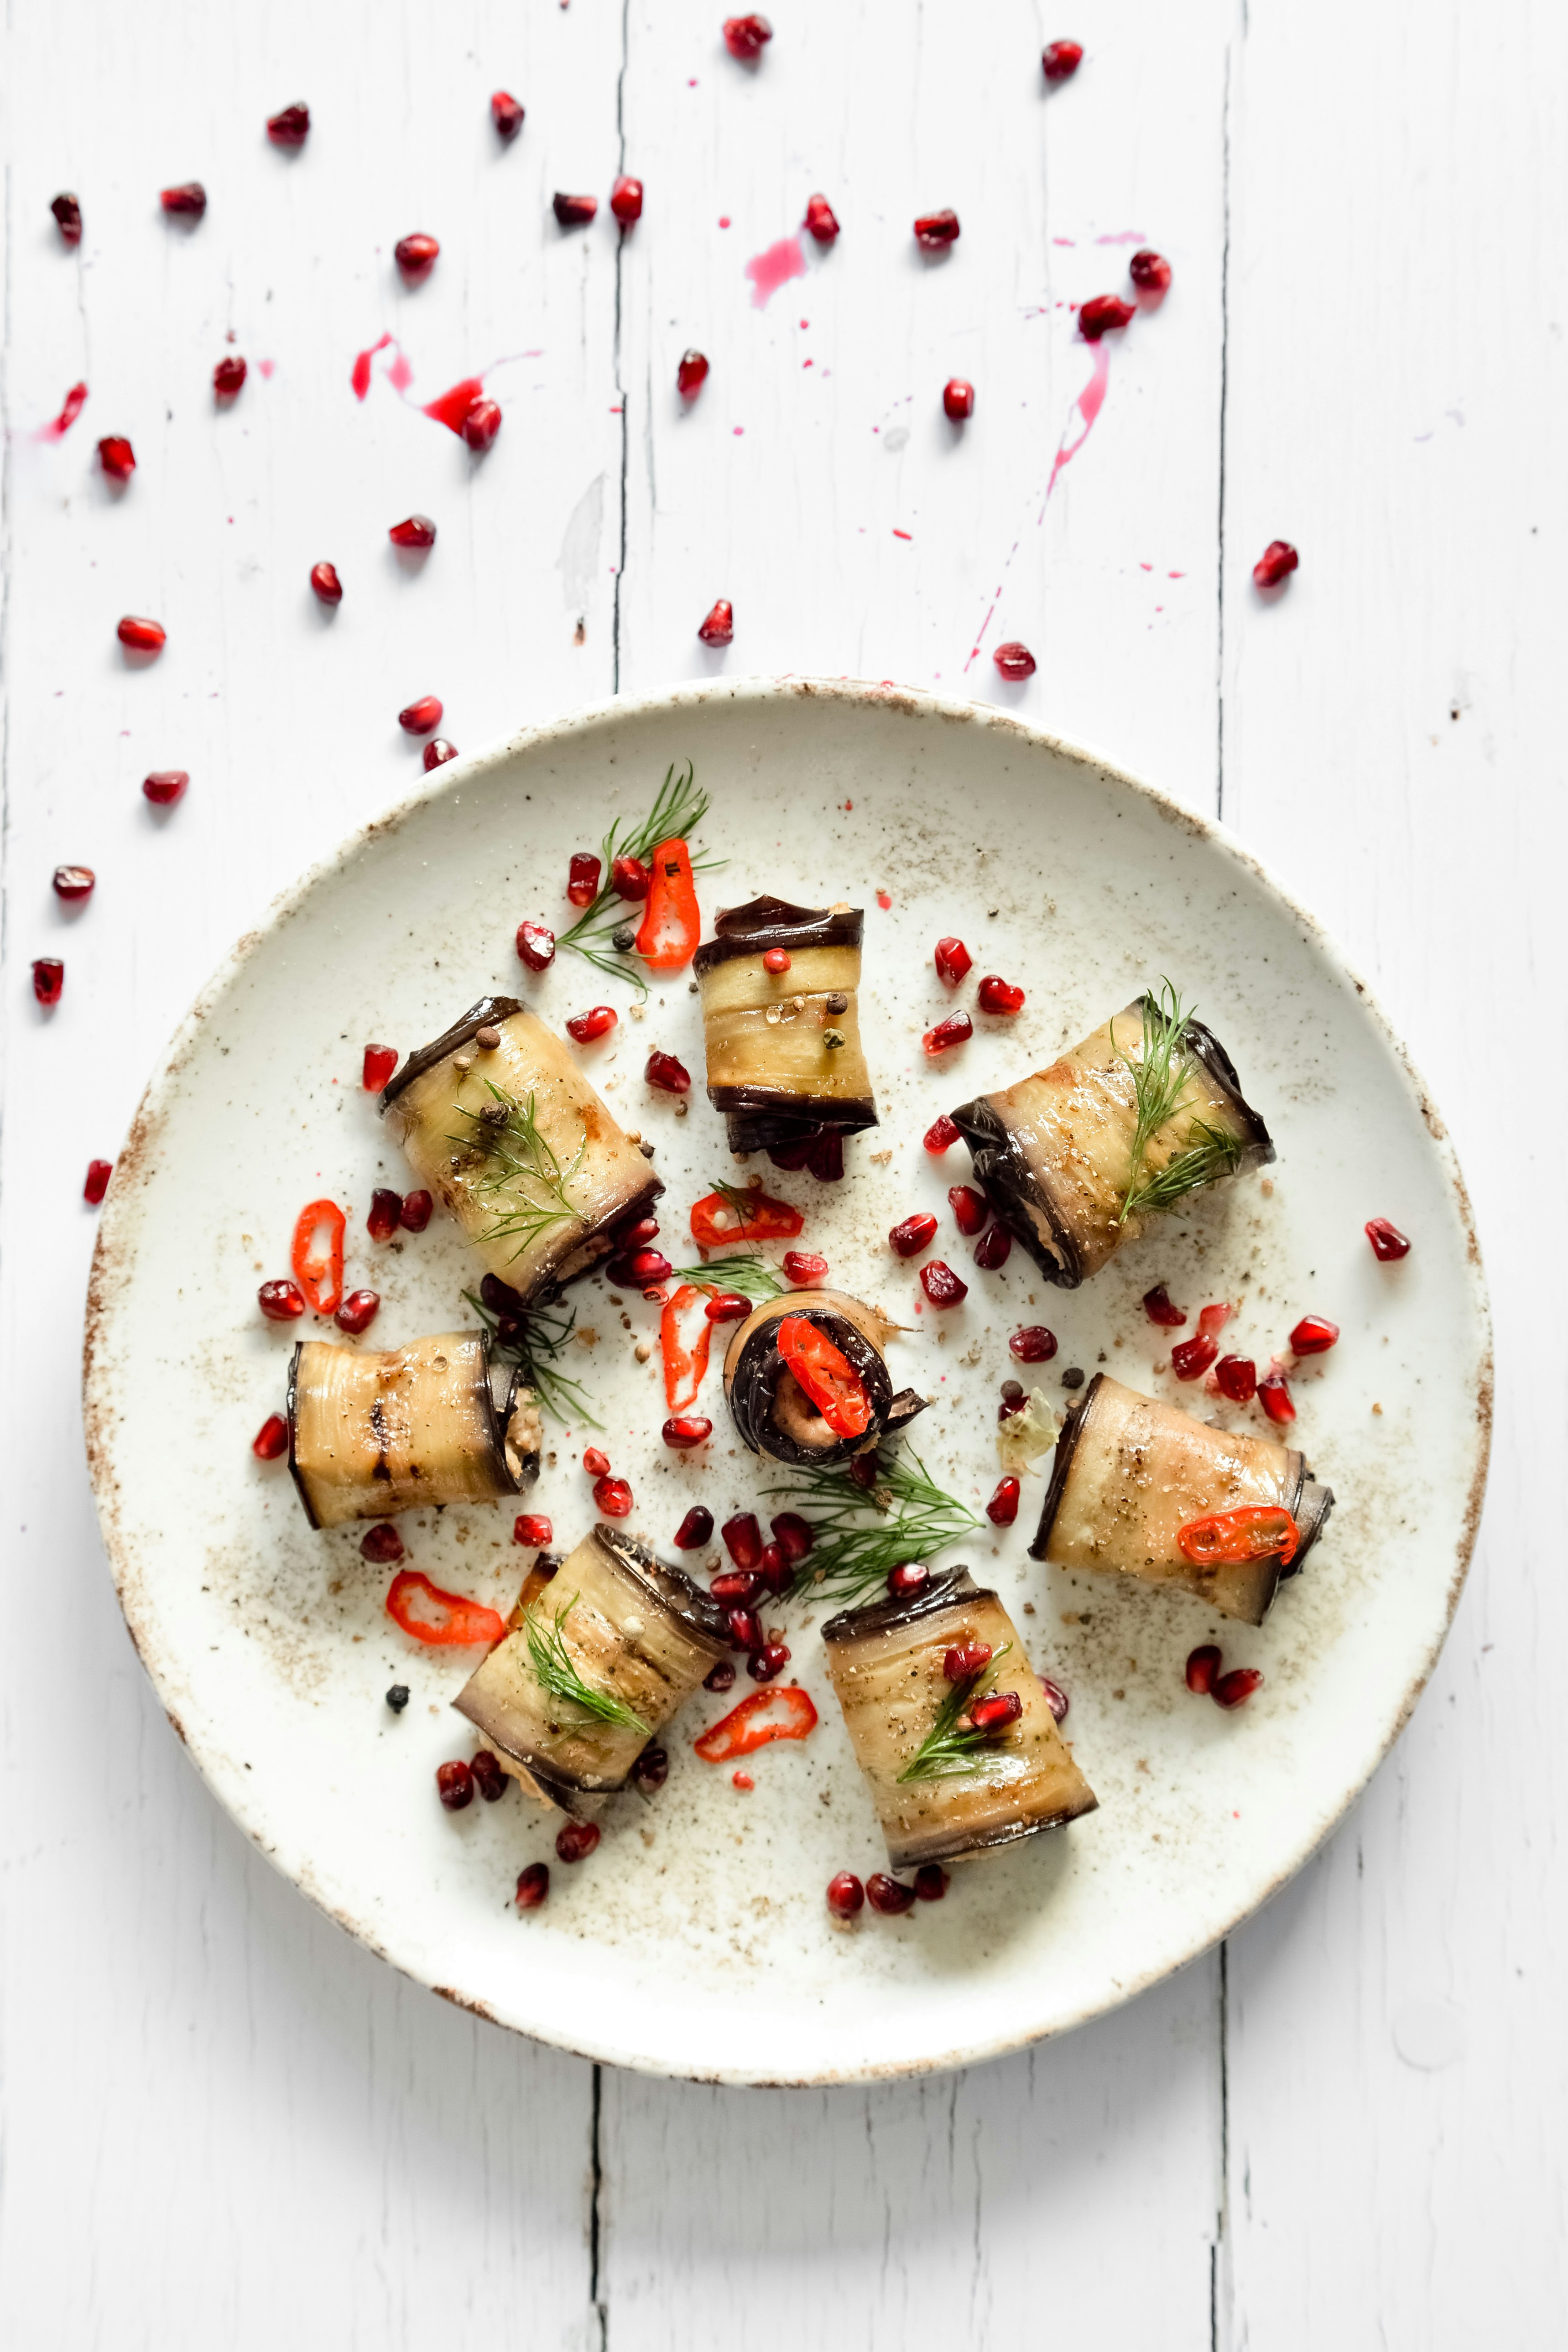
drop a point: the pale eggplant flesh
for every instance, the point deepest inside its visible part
(772, 1412)
(376, 1432)
(543, 1196)
(1129, 1472)
(785, 1063)
(1053, 1154)
(886, 1663)
(634, 1628)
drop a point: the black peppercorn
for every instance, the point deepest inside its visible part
(397, 1697)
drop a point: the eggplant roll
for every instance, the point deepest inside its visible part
(1131, 1472)
(602, 1655)
(513, 1138)
(1054, 1153)
(785, 1059)
(376, 1433)
(773, 1413)
(886, 1663)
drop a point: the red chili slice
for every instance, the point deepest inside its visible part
(311, 1265)
(784, 1712)
(685, 1367)
(1259, 1532)
(465, 1623)
(721, 1218)
(673, 926)
(826, 1375)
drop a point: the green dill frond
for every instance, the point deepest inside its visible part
(552, 1663)
(521, 1164)
(676, 813)
(751, 1276)
(948, 1753)
(861, 1536)
(543, 1335)
(1160, 1078)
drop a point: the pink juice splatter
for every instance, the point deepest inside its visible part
(1089, 403)
(360, 379)
(769, 270)
(1122, 237)
(71, 409)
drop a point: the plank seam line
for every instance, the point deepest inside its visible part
(1224, 406)
(620, 388)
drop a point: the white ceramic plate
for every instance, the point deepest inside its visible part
(696, 1941)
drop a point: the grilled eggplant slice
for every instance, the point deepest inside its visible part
(785, 1063)
(600, 1658)
(1129, 1472)
(373, 1434)
(1054, 1153)
(511, 1137)
(887, 1663)
(775, 1414)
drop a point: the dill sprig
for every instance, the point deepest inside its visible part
(551, 1663)
(518, 1153)
(912, 1519)
(751, 1276)
(676, 814)
(541, 1338)
(948, 1752)
(1160, 1078)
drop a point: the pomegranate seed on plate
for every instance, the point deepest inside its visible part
(743, 1540)
(931, 1882)
(1190, 1358)
(994, 1249)
(736, 1588)
(142, 636)
(721, 1677)
(695, 1529)
(821, 220)
(576, 1842)
(414, 531)
(416, 255)
(67, 217)
(506, 113)
(1159, 1309)
(934, 231)
(415, 1212)
(613, 1497)
(777, 1574)
(290, 126)
(1149, 271)
(117, 458)
(455, 1785)
(1276, 563)
(189, 199)
(914, 1236)
(381, 1544)
(728, 1306)
(1236, 1377)
(958, 399)
(1003, 1507)
(1274, 1396)
(1015, 661)
(380, 1061)
(48, 978)
(746, 1633)
(574, 211)
(536, 946)
(489, 1777)
(995, 1713)
(956, 1030)
(776, 960)
(953, 960)
(1213, 1319)
(1100, 313)
(793, 1535)
(99, 1172)
(531, 1528)
(684, 1430)
(1061, 60)
(1000, 995)
(1055, 1698)
(690, 374)
(586, 1026)
(436, 752)
(625, 200)
(582, 877)
(746, 37)
(1033, 1344)
(805, 1267)
(651, 1770)
(966, 1659)
(889, 1896)
(718, 628)
(940, 1136)
(324, 581)
(481, 425)
(864, 1470)
(970, 1210)
(942, 1286)
(846, 1895)
(418, 717)
(165, 786)
(670, 1077)
(1314, 1335)
(73, 882)
(1388, 1244)
(825, 1160)
(1236, 1687)
(765, 1664)
(228, 377)
(1203, 1665)
(532, 1885)
(385, 1211)
(499, 1297)
(281, 1302)
(905, 1581)
(630, 880)
(596, 1462)
(358, 1311)
(271, 1441)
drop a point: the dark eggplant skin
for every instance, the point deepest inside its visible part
(1257, 1143)
(698, 1610)
(953, 1584)
(759, 1119)
(769, 922)
(762, 1368)
(489, 1012)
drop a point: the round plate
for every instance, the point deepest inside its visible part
(696, 1941)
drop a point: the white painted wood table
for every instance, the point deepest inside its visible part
(223, 2123)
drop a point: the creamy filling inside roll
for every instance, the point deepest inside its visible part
(398, 1429)
(778, 1418)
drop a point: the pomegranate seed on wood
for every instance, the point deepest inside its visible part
(577, 1840)
(1203, 1665)
(1061, 60)
(821, 220)
(481, 425)
(1276, 563)
(189, 200)
(74, 882)
(746, 37)
(325, 584)
(889, 1896)
(381, 1544)
(586, 1026)
(290, 126)
(953, 960)
(1015, 661)
(1149, 271)
(1000, 995)
(684, 1430)
(414, 531)
(68, 218)
(613, 1497)
(385, 1211)
(690, 373)
(536, 946)
(142, 636)
(970, 1210)
(1033, 1345)
(935, 231)
(1190, 1358)
(358, 1311)
(228, 377)
(805, 1268)
(940, 1136)
(99, 1172)
(574, 211)
(958, 399)
(1101, 313)
(1314, 1335)
(436, 752)
(48, 978)
(271, 1441)
(415, 1214)
(994, 1248)
(281, 1302)
(1236, 1377)
(489, 1778)
(625, 200)
(1003, 1507)
(1274, 1396)
(956, 1030)
(455, 1786)
(942, 1286)
(1159, 1309)
(718, 628)
(416, 256)
(531, 1528)
(1388, 1244)
(914, 1236)
(532, 1885)
(846, 1895)
(165, 786)
(670, 1076)
(506, 113)
(419, 717)
(1236, 1687)
(117, 458)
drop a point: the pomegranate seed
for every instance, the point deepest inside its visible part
(454, 1784)
(746, 1633)
(506, 113)
(651, 1770)
(381, 1544)
(1033, 1344)
(1236, 1377)
(499, 1297)
(821, 221)
(1274, 1396)
(586, 1026)
(969, 1658)
(684, 1430)
(1000, 996)
(415, 1214)
(1190, 1358)
(536, 946)
(1314, 1335)
(1011, 1405)
(914, 1236)
(489, 1777)
(141, 637)
(718, 628)
(1055, 1698)
(905, 1581)
(1276, 563)
(574, 211)
(995, 1713)
(416, 255)
(189, 198)
(695, 1529)
(690, 373)
(1061, 60)
(746, 37)
(613, 1497)
(777, 1575)
(67, 216)
(414, 531)
(953, 960)
(776, 960)
(1203, 1665)
(630, 880)
(531, 1528)
(228, 377)
(825, 1158)
(1015, 661)
(271, 1441)
(419, 717)
(532, 1884)
(1100, 313)
(1388, 1244)
(942, 1286)
(793, 1535)
(970, 1210)
(1159, 1309)
(358, 1311)
(596, 1462)
(48, 978)
(1213, 1319)
(958, 399)
(889, 1896)
(805, 1267)
(385, 1211)
(72, 882)
(165, 786)
(670, 1076)
(956, 1030)
(1236, 1687)
(481, 425)
(325, 580)
(846, 1895)
(290, 127)
(765, 1664)
(576, 1842)
(934, 231)
(736, 1588)
(99, 1172)
(380, 1061)
(792, 1156)
(625, 201)
(437, 751)
(1003, 1507)
(931, 1882)
(940, 1136)
(117, 458)
(281, 1302)
(864, 1470)
(721, 1677)
(994, 1249)
(728, 1306)
(582, 877)
(1149, 271)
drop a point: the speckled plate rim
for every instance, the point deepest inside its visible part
(230, 1790)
